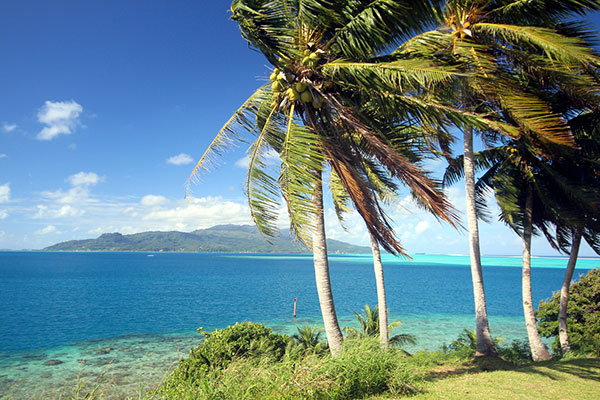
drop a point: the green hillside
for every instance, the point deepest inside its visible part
(221, 239)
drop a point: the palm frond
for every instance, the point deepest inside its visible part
(261, 188)
(567, 50)
(403, 74)
(241, 120)
(540, 12)
(301, 158)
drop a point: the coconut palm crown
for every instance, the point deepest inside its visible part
(321, 107)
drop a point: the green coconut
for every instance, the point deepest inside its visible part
(277, 86)
(306, 97)
(292, 94)
(273, 77)
(300, 87)
(313, 56)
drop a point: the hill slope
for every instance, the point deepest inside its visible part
(220, 238)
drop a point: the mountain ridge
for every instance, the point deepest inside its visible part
(217, 239)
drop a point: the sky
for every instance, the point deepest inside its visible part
(106, 106)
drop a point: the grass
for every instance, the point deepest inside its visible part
(365, 371)
(568, 379)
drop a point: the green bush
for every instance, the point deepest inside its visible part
(518, 351)
(242, 340)
(364, 369)
(361, 370)
(583, 316)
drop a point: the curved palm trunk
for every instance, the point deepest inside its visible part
(485, 344)
(538, 350)
(381, 301)
(564, 293)
(321, 264)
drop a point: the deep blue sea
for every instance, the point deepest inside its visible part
(80, 308)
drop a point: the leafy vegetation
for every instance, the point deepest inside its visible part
(369, 327)
(583, 315)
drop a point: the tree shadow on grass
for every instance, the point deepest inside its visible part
(479, 364)
(584, 368)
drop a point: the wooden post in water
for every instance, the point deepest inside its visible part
(294, 307)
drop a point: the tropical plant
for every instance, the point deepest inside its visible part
(221, 346)
(322, 107)
(369, 326)
(308, 339)
(494, 39)
(583, 316)
(579, 165)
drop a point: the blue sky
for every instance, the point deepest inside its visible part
(106, 107)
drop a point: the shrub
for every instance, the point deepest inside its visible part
(242, 340)
(583, 315)
(364, 368)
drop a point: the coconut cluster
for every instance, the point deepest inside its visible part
(294, 89)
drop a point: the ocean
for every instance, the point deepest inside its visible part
(126, 318)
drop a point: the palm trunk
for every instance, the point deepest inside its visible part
(538, 350)
(321, 264)
(381, 301)
(564, 293)
(485, 344)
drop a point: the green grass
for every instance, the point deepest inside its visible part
(568, 379)
(365, 371)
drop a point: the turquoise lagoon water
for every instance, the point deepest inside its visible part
(124, 319)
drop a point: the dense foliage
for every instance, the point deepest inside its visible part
(220, 347)
(583, 318)
(247, 360)
(464, 347)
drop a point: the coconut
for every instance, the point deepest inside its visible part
(273, 77)
(305, 97)
(277, 86)
(313, 56)
(300, 87)
(292, 94)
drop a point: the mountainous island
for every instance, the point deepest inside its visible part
(218, 239)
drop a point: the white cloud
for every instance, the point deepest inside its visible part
(180, 159)
(199, 213)
(84, 179)
(3, 214)
(3, 155)
(77, 194)
(152, 200)
(66, 211)
(6, 127)
(422, 226)
(5, 193)
(60, 117)
(47, 230)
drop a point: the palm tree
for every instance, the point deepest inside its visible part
(531, 196)
(316, 112)
(492, 38)
(578, 165)
(369, 323)
(308, 339)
